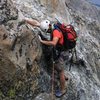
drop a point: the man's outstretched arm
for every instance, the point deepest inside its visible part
(32, 22)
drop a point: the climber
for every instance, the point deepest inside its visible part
(57, 38)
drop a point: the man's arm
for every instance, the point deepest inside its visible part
(32, 22)
(53, 42)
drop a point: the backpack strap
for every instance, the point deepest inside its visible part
(74, 35)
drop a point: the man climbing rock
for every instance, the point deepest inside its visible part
(56, 41)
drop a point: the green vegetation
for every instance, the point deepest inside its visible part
(11, 93)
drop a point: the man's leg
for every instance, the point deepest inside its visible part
(62, 80)
(60, 71)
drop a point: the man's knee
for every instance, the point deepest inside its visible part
(59, 69)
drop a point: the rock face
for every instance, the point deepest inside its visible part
(6, 72)
(20, 54)
(7, 11)
(23, 68)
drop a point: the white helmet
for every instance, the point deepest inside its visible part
(44, 25)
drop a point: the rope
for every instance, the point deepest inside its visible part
(52, 77)
(53, 82)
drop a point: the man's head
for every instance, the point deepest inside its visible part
(45, 25)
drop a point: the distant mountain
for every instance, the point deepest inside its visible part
(97, 5)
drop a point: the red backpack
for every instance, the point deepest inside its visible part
(70, 35)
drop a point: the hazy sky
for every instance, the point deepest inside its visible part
(96, 1)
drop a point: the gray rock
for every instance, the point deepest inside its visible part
(7, 11)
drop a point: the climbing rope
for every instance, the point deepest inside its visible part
(53, 77)
(53, 82)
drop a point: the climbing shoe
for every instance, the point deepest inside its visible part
(59, 94)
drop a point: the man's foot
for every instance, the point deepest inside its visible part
(59, 93)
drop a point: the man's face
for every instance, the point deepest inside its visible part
(50, 29)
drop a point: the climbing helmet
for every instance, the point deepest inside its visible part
(44, 25)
